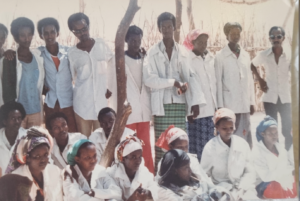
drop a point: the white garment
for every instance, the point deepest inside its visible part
(101, 183)
(60, 159)
(99, 139)
(89, 75)
(235, 87)
(205, 69)
(160, 74)
(139, 99)
(142, 176)
(5, 148)
(52, 182)
(40, 84)
(135, 67)
(270, 167)
(277, 76)
(229, 167)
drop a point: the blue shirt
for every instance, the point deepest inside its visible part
(29, 95)
(59, 82)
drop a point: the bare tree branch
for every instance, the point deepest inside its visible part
(190, 15)
(178, 20)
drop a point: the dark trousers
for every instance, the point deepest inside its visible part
(286, 119)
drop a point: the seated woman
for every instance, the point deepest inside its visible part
(227, 160)
(178, 182)
(135, 180)
(57, 125)
(275, 177)
(30, 159)
(86, 180)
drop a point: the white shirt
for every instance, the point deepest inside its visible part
(89, 74)
(235, 87)
(230, 167)
(205, 69)
(277, 76)
(101, 183)
(138, 96)
(270, 167)
(5, 148)
(99, 139)
(60, 158)
(160, 74)
(52, 182)
(142, 176)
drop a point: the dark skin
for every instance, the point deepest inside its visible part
(49, 35)
(134, 42)
(59, 130)
(225, 129)
(12, 125)
(167, 30)
(180, 143)
(277, 50)
(24, 41)
(270, 138)
(183, 174)
(107, 122)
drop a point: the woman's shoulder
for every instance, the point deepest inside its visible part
(167, 195)
(53, 169)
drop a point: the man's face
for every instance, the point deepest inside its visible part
(13, 121)
(134, 42)
(234, 35)
(167, 29)
(25, 37)
(81, 30)
(200, 43)
(59, 129)
(3, 36)
(49, 34)
(276, 38)
(107, 122)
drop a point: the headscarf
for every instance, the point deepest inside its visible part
(263, 125)
(127, 146)
(35, 137)
(74, 150)
(193, 35)
(224, 112)
(12, 186)
(170, 135)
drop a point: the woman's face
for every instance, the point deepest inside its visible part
(38, 158)
(200, 44)
(182, 144)
(133, 160)
(184, 173)
(225, 129)
(59, 129)
(270, 135)
(87, 158)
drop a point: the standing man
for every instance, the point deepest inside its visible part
(175, 88)
(276, 87)
(138, 94)
(88, 61)
(235, 87)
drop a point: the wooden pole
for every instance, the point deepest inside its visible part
(189, 11)
(178, 20)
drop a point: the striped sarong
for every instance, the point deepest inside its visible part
(174, 115)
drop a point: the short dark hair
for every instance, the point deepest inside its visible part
(77, 17)
(7, 108)
(3, 28)
(84, 145)
(54, 116)
(166, 16)
(47, 21)
(133, 30)
(230, 25)
(105, 111)
(19, 23)
(277, 27)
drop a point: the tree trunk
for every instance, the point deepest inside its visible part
(189, 11)
(178, 20)
(123, 109)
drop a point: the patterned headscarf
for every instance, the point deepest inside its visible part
(129, 145)
(224, 112)
(170, 135)
(74, 149)
(193, 35)
(35, 137)
(263, 125)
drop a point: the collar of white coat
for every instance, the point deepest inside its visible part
(98, 136)
(24, 170)
(98, 172)
(121, 174)
(61, 49)
(270, 52)
(208, 56)
(155, 49)
(234, 145)
(22, 132)
(279, 148)
(227, 51)
(55, 145)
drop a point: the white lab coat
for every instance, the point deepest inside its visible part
(139, 100)
(230, 167)
(142, 176)
(235, 87)
(154, 75)
(99, 139)
(101, 183)
(5, 152)
(40, 84)
(270, 168)
(60, 159)
(52, 182)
